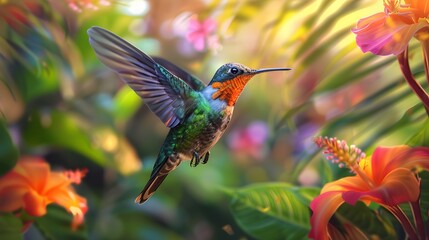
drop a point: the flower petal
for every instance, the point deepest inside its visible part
(399, 186)
(72, 202)
(323, 207)
(386, 159)
(11, 198)
(384, 34)
(354, 183)
(411, 158)
(382, 157)
(350, 186)
(209, 25)
(422, 6)
(199, 44)
(35, 170)
(35, 204)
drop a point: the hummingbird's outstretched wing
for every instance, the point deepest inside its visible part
(168, 96)
(191, 80)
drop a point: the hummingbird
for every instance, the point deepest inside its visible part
(197, 114)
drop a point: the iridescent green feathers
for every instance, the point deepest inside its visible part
(165, 88)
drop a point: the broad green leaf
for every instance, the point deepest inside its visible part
(10, 227)
(60, 129)
(8, 152)
(366, 219)
(273, 210)
(56, 224)
(421, 138)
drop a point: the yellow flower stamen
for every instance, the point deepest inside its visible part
(392, 6)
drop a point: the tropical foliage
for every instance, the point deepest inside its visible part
(77, 144)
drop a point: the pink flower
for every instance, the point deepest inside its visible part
(79, 5)
(202, 34)
(249, 141)
(389, 32)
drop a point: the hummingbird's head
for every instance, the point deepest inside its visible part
(230, 71)
(230, 79)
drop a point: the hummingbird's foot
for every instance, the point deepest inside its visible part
(195, 159)
(206, 157)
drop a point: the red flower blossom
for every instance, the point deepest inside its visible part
(387, 178)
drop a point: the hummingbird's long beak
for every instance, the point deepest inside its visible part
(270, 70)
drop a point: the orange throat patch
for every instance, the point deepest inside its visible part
(230, 90)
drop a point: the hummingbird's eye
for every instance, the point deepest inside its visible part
(234, 70)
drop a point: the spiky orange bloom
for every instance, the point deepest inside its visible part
(387, 178)
(31, 186)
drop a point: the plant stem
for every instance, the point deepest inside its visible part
(417, 214)
(418, 220)
(424, 42)
(406, 71)
(425, 46)
(403, 219)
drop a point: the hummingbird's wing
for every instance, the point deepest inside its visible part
(191, 80)
(168, 96)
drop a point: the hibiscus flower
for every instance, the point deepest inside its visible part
(31, 186)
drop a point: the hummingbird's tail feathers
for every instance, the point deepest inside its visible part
(163, 166)
(150, 188)
(164, 93)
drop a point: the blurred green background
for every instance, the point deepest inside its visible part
(58, 101)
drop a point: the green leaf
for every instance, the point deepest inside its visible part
(366, 219)
(126, 103)
(273, 210)
(353, 71)
(241, 13)
(59, 129)
(10, 227)
(56, 224)
(325, 26)
(361, 114)
(421, 138)
(410, 117)
(8, 152)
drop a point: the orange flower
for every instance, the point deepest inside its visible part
(389, 32)
(31, 186)
(387, 178)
